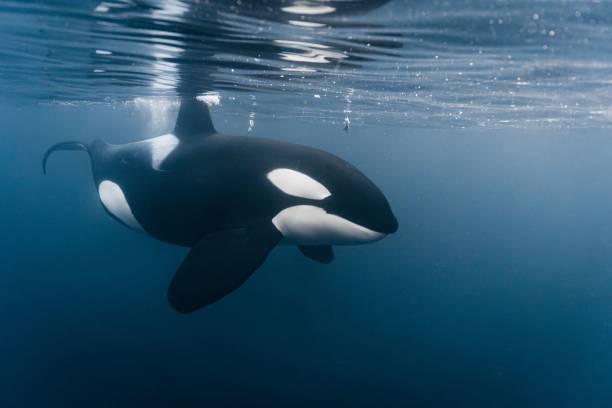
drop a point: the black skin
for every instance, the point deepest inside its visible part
(212, 194)
(214, 182)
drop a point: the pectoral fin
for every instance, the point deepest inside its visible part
(219, 264)
(319, 253)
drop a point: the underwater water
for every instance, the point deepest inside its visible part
(485, 123)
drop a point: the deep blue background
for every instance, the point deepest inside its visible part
(496, 291)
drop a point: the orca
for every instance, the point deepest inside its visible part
(232, 199)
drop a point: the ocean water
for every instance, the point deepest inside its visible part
(486, 124)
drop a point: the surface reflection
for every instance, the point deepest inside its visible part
(194, 47)
(458, 63)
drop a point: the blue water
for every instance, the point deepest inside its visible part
(495, 292)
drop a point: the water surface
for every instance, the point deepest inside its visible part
(459, 63)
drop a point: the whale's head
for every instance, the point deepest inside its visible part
(340, 206)
(359, 200)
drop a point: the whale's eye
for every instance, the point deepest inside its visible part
(298, 184)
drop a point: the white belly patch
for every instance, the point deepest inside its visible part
(298, 184)
(114, 201)
(311, 225)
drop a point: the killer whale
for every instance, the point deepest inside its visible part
(232, 199)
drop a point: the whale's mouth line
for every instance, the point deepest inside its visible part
(383, 231)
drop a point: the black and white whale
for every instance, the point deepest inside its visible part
(232, 199)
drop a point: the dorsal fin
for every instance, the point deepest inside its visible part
(193, 120)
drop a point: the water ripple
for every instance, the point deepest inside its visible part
(419, 63)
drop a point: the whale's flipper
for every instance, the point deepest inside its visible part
(193, 120)
(219, 264)
(319, 253)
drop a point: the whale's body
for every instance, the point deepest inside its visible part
(232, 199)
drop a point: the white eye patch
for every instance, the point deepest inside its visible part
(298, 184)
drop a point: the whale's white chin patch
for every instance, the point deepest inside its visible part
(310, 225)
(114, 201)
(298, 184)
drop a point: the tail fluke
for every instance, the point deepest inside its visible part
(62, 146)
